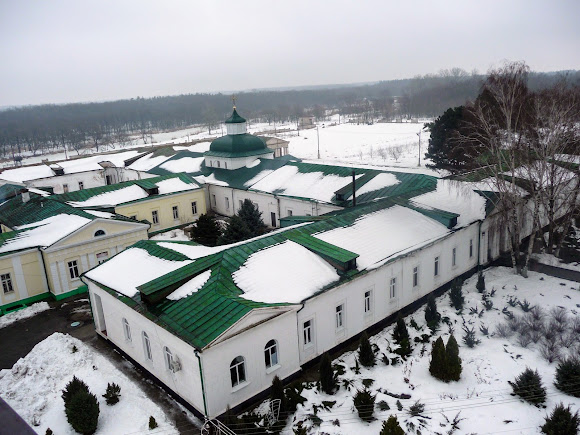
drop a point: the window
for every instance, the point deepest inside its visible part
(218, 163)
(368, 306)
(238, 371)
(194, 207)
(73, 269)
(102, 256)
(65, 188)
(147, 347)
(339, 316)
(81, 185)
(175, 210)
(126, 329)
(155, 217)
(99, 233)
(470, 248)
(134, 217)
(226, 165)
(415, 276)
(436, 267)
(289, 212)
(454, 257)
(213, 200)
(307, 331)
(168, 356)
(271, 354)
(393, 287)
(108, 179)
(6, 283)
(227, 203)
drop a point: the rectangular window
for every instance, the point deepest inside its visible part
(6, 283)
(454, 257)
(436, 267)
(175, 210)
(194, 207)
(393, 288)
(307, 331)
(102, 256)
(289, 212)
(218, 163)
(134, 217)
(227, 203)
(415, 276)
(226, 165)
(155, 217)
(470, 248)
(65, 188)
(73, 269)
(339, 316)
(109, 179)
(213, 200)
(81, 185)
(273, 218)
(368, 301)
(126, 329)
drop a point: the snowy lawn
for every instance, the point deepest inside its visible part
(34, 385)
(177, 235)
(482, 398)
(24, 313)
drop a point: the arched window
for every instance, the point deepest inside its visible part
(126, 329)
(238, 370)
(147, 347)
(168, 358)
(271, 354)
(99, 233)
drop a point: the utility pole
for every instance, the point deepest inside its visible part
(318, 140)
(419, 134)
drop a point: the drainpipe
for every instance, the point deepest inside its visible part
(278, 201)
(202, 385)
(45, 271)
(479, 246)
(233, 203)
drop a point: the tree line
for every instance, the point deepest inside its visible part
(79, 126)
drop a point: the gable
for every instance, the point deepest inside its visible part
(86, 234)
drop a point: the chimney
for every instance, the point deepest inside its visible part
(25, 195)
(353, 189)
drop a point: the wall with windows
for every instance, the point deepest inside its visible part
(234, 163)
(21, 276)
(336, 315)
(165, 208)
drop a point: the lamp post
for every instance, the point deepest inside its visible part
(419, 134)
(318, 140)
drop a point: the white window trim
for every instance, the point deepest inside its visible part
(7, 280)
(272, 367)
(340, 315)
(310, 344)
(437, 260)
(370, 299)
(76, 266)
(147, 349)
(454, 257)
(240, 384)
(127, 330)
(155, 217)
(416, 286)
(168, 358)
(175, 212)
(194, 207)
(393, 287)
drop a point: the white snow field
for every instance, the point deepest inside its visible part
(34, 385)
(482, 397)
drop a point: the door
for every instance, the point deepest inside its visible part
(273, 217)
(100, 324)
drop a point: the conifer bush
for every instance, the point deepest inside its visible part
(206, 230)
(73, 387)
(561, 421)
(277, 392)
(528, 385)
(112, 394)
(152, 423)
(453, 361)
(480, 286)
(392, 427)
(82, 412)
(366, 355)
(364, 402)
(438, 360)
(568, 376)
(252, 217)
(401, 337)
(327, 378)
(432, 316)
(456, 294)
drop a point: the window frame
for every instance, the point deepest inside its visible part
(227, 203)
(339, 317)
(100, 253)
(271, 354)
(7, 283)
(168, 358)
(155, 217)
(368, 302)
(99, 233)
(127, 330)
(194, 207)
(81, 185)
(308, 333)
(454, 257)
(393, 287)
(65, 188)
(175, 211)
(436, 266)
(147, 350)
(415, 275)
(73, 269)
(470, 248)
(236, 363)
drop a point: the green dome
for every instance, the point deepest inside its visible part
(235, 118)
(237, 145)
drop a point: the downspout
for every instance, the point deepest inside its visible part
(479, 246)
(45, 271)
(233, 203)
(202, 384)
(278, 201)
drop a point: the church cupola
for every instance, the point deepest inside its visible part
(235, 124)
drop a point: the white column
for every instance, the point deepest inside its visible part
(55, 278)
(63, 276)
(19, 277)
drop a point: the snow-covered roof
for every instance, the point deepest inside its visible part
(185, 164)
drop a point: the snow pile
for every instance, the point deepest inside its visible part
(190, 287)
(101, 214)
(286, 272)
(378, 236)
(173, 185)
(25, 313)
(455, 197)
(185, 164)
(92, 163)
(148, 162)
(113, 197)
(253, 163)
(143, 266)
(210, 179)
(199, 147)
(482, 397)
(34, 385)
(378, 182)
(44, 232)
(289, 181)
(174, 235)
(20, 175)
(258, 177)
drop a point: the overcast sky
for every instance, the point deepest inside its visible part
(83, 50)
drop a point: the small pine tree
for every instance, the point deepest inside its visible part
(364, 402)
(252, 217)
(453, 361)
(206, 230)
(432, 316)
(561, 422)
(528, 385)
(230, 420)
(73, 387)
(236, 231)
(327, 379)
(401, 337)
(152, 423)
(480, 286)
(277, 392)
(366, 355)
(82, 412)
(112, 394)
(456, 294)
(392, 427)
(568, 376)
(48, 431)
(437, 366)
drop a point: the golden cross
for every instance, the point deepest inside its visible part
(234, 100)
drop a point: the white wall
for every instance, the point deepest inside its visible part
(234, 163)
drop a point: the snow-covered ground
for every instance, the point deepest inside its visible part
(34, 385)
(25, 313)
(482, 397)
(552, 260)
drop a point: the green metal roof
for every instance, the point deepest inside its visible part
(235, 118)
(16, 213)
(238, 145)
(324, 249)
